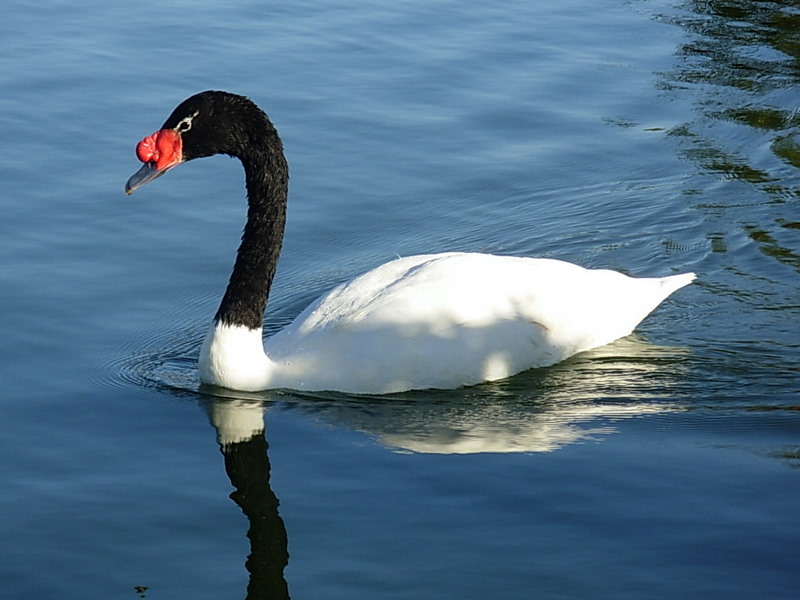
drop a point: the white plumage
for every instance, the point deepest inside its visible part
(437, 321)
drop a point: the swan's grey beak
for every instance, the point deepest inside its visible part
(146, 174)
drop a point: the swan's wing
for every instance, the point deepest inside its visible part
(457, 319)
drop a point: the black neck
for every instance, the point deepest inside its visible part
(267, 181)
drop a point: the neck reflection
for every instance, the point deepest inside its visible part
(241, 438)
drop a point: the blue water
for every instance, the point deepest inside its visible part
(647, 136)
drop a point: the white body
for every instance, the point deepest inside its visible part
(437, 321)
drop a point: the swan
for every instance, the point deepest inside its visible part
(418, 322)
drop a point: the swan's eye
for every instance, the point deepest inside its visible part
(186, 124)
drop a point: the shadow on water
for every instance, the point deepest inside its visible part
(738, 70)
(742, 57)
(742, 64)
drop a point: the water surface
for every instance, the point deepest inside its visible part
(651, 137)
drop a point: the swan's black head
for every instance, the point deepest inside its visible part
(203, 125)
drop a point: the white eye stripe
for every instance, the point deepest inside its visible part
(186, 123)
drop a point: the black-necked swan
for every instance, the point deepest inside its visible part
(428, 321)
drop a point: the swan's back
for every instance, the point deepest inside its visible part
(448, 320)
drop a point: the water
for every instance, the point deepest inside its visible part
(646, 136)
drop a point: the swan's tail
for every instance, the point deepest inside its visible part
(676, 282)
(652, 292)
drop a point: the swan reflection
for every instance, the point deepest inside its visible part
(240, 434)
(540, 412)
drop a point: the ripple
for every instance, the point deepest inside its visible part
(168, 365)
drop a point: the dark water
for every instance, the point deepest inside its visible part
(646, 136)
